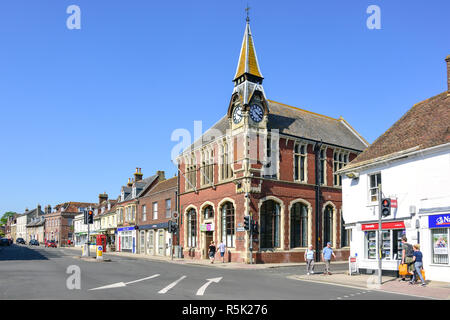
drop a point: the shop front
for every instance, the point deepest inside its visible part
(80, 238)
(435, 235)
(365, 246)
(154, 239)
(126, 239)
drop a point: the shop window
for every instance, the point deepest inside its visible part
(299, 225)
(228, 231)
(270, 225)
(439, 241)
(371, 244)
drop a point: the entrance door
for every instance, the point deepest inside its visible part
(209, 236)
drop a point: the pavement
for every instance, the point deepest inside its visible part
(433, 289)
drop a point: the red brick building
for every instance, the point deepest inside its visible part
(58, 224)
(155, 208)
(270, 161)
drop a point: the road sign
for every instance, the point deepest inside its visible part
(352, 265)
(175, 215)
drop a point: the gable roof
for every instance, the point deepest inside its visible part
(425, 125)
(298, 123)
(163, 186)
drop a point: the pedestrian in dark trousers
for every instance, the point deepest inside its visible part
(309, 258)
(418, 265)
(407, 256)
(326, 257)
(212, 251)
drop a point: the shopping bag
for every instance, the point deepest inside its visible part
(403, 269)
(423, 274)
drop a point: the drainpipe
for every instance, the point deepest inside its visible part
(318, 197)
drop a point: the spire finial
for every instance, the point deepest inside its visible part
(247, 10)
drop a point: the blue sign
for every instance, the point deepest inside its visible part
(439, 221)
(126, 229)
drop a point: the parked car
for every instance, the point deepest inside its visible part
(20, 240)
(33, 242)
(4, 242)
(51, 244)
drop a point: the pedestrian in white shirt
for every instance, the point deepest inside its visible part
(222, 248)
(309, 258)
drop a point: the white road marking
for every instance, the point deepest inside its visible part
(202, 289)
(123, 284)
(170, 286)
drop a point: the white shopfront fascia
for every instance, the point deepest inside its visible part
(437, 267)
(127, 239)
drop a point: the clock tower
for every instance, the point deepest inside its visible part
(248, 105)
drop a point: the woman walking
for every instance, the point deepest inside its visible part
(418, 265)
(309, 258)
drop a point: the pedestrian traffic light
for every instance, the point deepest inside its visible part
(172, 227)
(385, 207)
(247, 223)
(90, 217)
(255, 227)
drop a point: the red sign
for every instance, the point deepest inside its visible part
(352, 259)
(394, 203)
(384, 225)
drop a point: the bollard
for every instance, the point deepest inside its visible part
(84, 250)
(99, 252)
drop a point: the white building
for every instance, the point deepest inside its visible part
(24, 219)
(411, 161)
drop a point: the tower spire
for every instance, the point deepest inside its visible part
(248, 62)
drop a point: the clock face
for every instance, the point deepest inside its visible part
(256, 113)
(237, 115)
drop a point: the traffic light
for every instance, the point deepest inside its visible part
(255, 227)
(85, 217)
(385, 207)
(90, 217)
(172, 227)
(247, 223)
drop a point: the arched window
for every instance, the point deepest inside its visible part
(270, 224)
(192, 228)
(228, 232)
(299, 225)
(328, 224)
(208, 212)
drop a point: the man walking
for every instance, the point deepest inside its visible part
(326, 257)
(222, 250)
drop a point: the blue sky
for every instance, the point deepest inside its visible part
(81, 109)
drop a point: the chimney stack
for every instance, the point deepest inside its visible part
(448, 74)
(161, 175)
(38, 210)
(102, 197)
(129, 184)
(138, 175)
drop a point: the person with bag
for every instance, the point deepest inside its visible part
(309, 258)
(407, 256)
(418, 265)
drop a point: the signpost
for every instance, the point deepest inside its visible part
(352, 265)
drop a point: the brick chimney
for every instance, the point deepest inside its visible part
(48, 209)
(102, 197)
(130, 183)
(161, 175)
(138, 175)
(448, 74)
(38, 210)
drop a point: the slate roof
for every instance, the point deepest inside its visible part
(164, 185)
(425, 125)
(298, 123)
(141, 187)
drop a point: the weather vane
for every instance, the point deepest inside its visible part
(247, 10)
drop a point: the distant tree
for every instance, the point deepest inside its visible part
(5, 217)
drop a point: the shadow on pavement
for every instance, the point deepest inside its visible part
(20, 252)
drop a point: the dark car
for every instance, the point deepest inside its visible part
(20, 240)
(4, 242)
(51, 244)
(33, 242)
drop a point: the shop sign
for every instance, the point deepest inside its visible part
(439, 221)
(207, 227)
(384, 226)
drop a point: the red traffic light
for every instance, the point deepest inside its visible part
(90, 212)
(386, 202)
